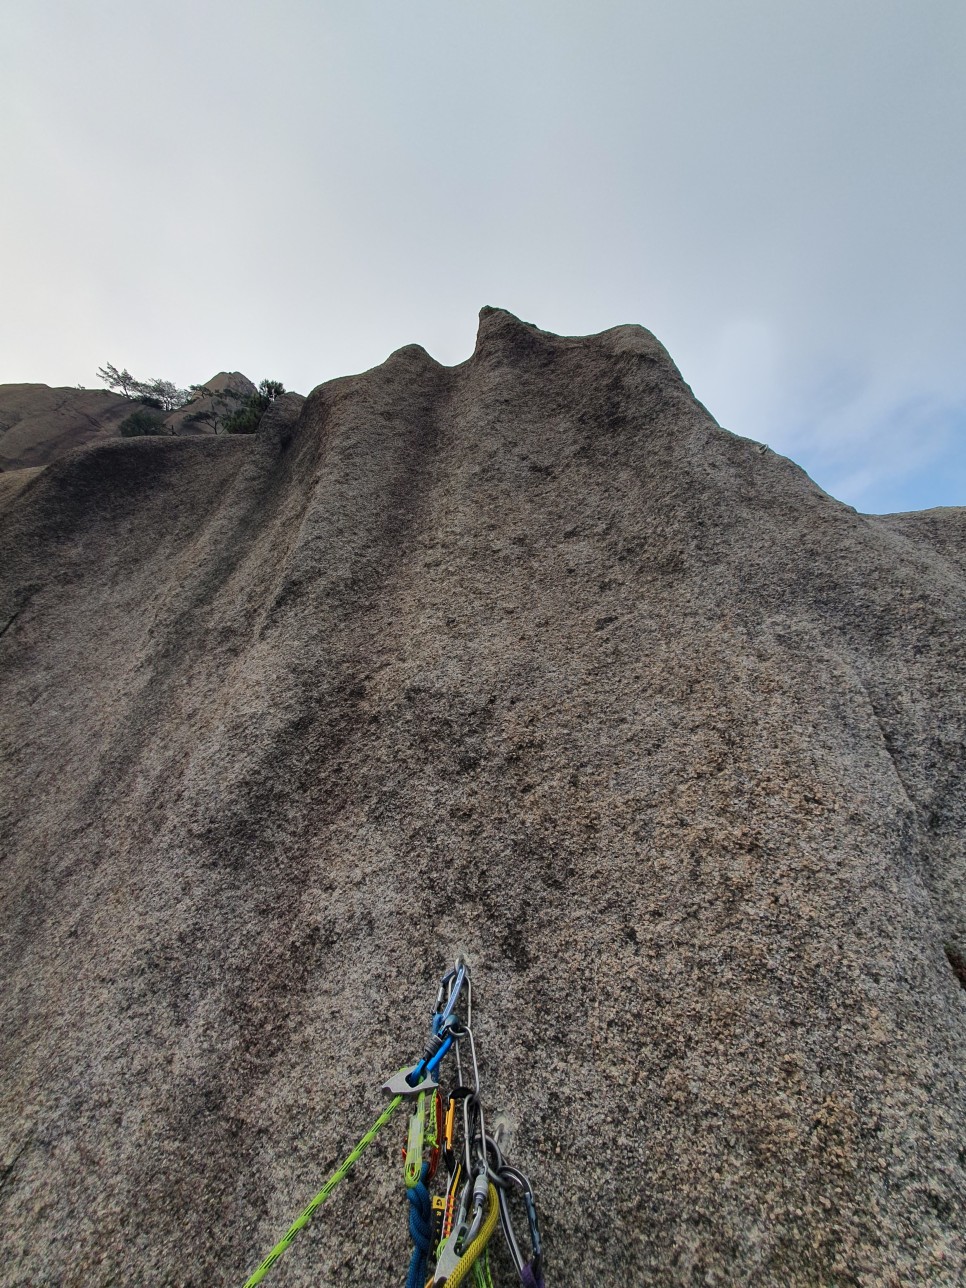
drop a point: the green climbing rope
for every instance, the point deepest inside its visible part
(302, 1221)
(482, 1275)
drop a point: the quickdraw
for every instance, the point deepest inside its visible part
(450, 1231)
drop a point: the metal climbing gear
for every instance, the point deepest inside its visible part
(480, 1177)
(450, 1231)
(454, 1265)
(506, 1178)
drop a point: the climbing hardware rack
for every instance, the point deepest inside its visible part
(451, 1228)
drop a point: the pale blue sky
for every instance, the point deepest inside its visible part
(777, 190)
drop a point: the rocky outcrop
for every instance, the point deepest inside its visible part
(526, 659)
(207, 409)
(39, 424)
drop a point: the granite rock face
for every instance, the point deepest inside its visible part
(525, 659)
(39, 423)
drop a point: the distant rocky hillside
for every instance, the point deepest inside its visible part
(39, 424)
(206, 409)
(525, 659)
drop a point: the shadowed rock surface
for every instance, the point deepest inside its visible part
(526, 659)
(39, 424)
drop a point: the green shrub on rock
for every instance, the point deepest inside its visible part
(247, 419)
(142, 422)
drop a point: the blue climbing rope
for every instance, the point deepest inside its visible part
(420, 1228)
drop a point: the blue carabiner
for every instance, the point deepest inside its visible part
(460, 973)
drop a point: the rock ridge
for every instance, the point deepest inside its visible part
(40, 424)
(524, 658)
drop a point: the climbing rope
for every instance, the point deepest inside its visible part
(469, 1257)
(450, 1231)
(302, 1221)
(425, 1131)
(482, 1276)
(420, 1229)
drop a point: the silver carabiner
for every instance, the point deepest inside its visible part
(522, 1183)
(450, 987)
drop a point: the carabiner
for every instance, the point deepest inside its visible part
(481, 1189)
(450, 987)
(530, 1272)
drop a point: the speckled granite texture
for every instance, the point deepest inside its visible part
(528, 659)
